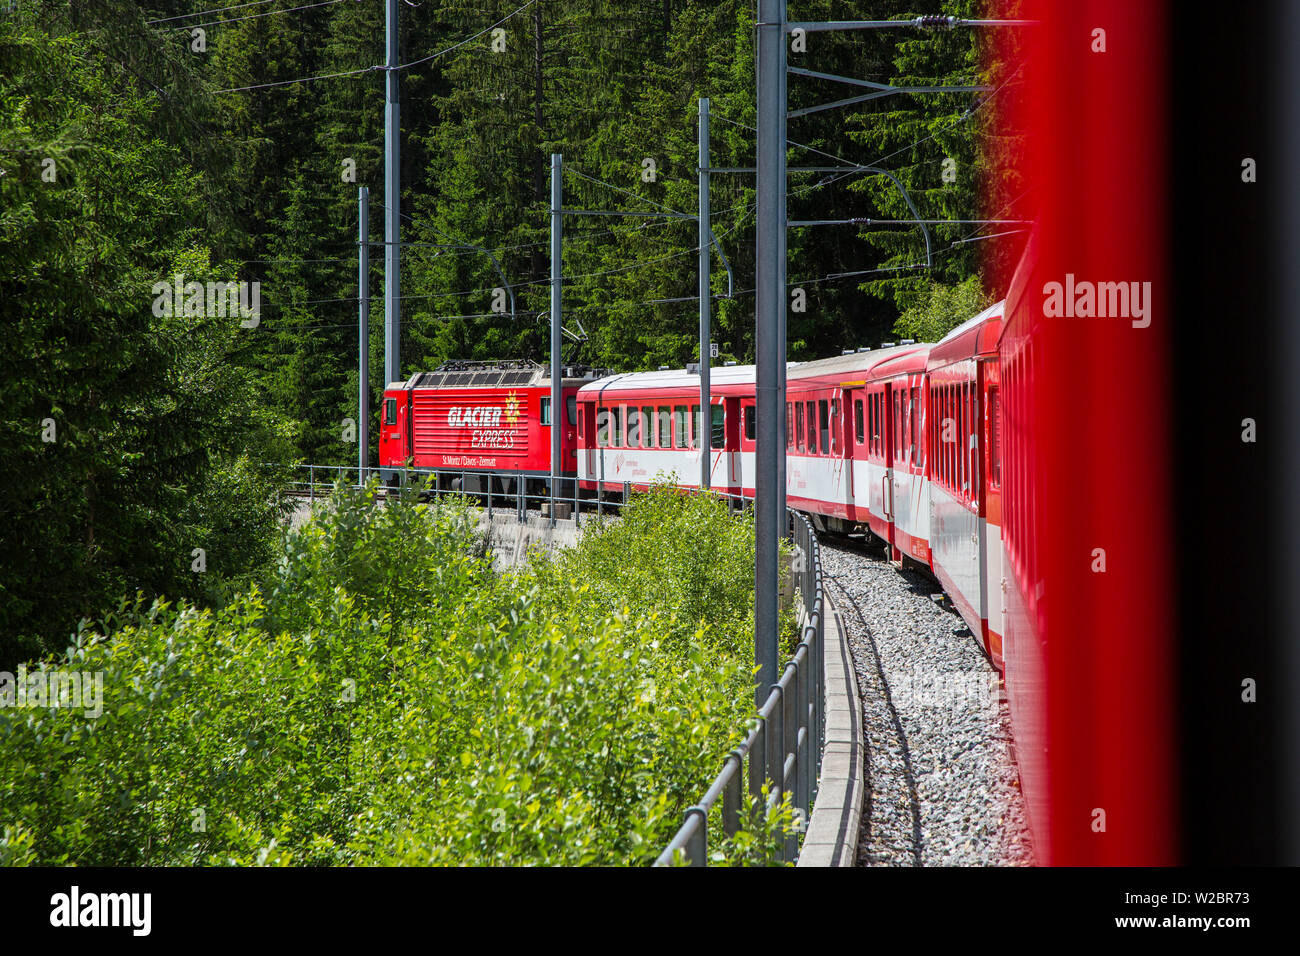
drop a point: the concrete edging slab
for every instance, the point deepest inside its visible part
(832, 838)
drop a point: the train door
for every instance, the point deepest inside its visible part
(747, 446)
(726, 437)
(893, 438)
(990, 509)
(850, 430)
(587, 439)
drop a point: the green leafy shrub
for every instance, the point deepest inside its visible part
(386, 698)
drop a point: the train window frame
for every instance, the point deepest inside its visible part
(665, 425)
(950, 444)
(898, 409)
(616, 427)
(859, 426)
(571, 408)
(962, 442)
(390, 412)
(914, 414)
(973, 442)
(544, 410)
(718, 425)
(882, 436)
(679, 426)
(632, 429)
(958, 429)
(873, 423)
(995, 438)
(602, 427)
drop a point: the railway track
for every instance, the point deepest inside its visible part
(942, 787)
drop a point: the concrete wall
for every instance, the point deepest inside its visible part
(512, 540)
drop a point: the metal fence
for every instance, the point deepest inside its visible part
(784, 748)
(485, 487)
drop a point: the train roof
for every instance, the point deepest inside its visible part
(857, 365)
(672, 378)
(504, 373)
(978, 335)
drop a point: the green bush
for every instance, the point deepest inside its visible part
(385, 698)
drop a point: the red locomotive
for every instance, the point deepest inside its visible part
(493, 418)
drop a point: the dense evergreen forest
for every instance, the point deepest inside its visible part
(222, 142)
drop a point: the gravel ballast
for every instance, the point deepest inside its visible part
(941, 784)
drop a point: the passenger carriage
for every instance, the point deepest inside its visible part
(965, 472)
(840, 455)
(640, 427)
(898, 487)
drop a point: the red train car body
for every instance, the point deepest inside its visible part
(492, 417)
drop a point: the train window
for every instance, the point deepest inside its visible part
(616, 426)
(880, 424)
(697, 427)
(958, 433)
(719, 426)
(647, 426)
(679, 424)
(798, 422)
(835, 425)
(898, 424)
(751, 421)
(824, 431)
(665, 427)
(995, 442)
(390, 411)
(810, 409)
(963, 426)
(789, 427)
(544, 415)
(633, 428)
(972, 443)
(873, 422)
(602, 427)
(879, 435)
(950, 437)
(914, 416)
(858, 430)
(950, 443)
(571, 405)
(936, 417)
(967, 433)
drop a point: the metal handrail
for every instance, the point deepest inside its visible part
(321, 478)
(787, 737)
